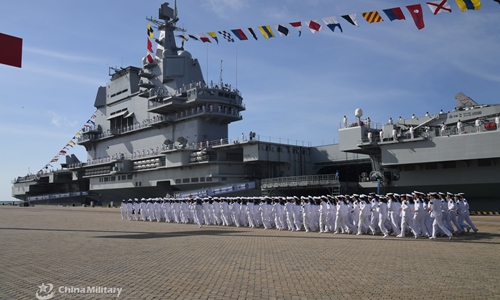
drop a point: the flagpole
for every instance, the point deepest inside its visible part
(236, 67)
(207, 65)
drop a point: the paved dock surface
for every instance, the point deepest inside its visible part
(92, 247)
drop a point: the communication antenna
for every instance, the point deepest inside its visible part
(236, 67)
(220, 78)
(207, 63)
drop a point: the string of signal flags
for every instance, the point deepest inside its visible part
(72, 142)
(393, 14)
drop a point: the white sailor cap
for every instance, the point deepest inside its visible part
(397, 195)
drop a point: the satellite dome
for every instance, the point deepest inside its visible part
(358, 112)
(186, 54)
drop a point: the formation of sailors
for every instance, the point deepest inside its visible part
(418, 214)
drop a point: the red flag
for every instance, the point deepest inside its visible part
(150, 46)
(314, 26)
(150, 58)
(11, 50)
(417, 14)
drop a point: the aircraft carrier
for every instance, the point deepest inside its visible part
(161, 130)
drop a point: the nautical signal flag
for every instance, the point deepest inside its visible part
(439, 6)
(252, 32)
(184, 38)
(468, 4)
(193, 37)
(150, 46)
(11, 50)
(282, 30)
(298, 26)
(227, 36)
(332, 22)
(394, 13)
(213, 35)
(314, 26)
(351, 19)
(204, 38)
(266, 31)
(151, 33)
(240, 34)
(372, 17)
(417, 15)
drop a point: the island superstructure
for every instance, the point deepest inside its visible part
(161, 130)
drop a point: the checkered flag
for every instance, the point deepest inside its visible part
(227, 36)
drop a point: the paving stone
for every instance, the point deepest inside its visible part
(88, 247)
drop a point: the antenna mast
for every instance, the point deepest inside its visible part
(220, 78)
(236, 67)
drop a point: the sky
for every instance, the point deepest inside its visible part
(296, 89)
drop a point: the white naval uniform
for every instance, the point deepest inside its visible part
(323, 213)
(466, 215)
(123, 209)
(419, 217)
(364, 217)
(435, 207)
(452, 215)
(289, 214)
(382, 210)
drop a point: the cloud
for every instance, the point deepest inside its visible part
(59, 121)
(65, 75)
(225, 8)
(63, 56)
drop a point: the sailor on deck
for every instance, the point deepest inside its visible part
(497, 121)
(345, 121)
(459, 126)
(477, 123)
(443, 129)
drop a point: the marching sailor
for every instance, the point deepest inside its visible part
(436, 211)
